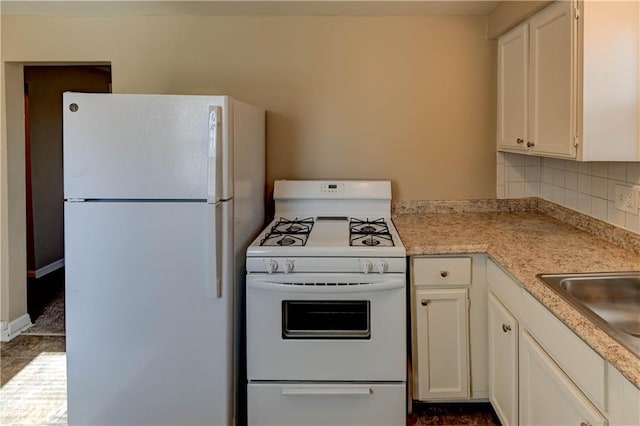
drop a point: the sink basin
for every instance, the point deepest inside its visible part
(611, 300)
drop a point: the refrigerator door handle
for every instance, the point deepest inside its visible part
(214, 155)
(214, 251)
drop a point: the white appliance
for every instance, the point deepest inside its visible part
(326, 308)
(163, 194)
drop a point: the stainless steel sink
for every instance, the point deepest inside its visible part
(611, 300)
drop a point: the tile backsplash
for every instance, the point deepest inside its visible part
(588, 187)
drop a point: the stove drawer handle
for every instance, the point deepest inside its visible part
(288, 288)
(328, 391)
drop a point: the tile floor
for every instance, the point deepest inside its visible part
(33, 381)
(33, 371)
(33, 391)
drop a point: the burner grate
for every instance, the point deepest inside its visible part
(288, 232)
(370, 233)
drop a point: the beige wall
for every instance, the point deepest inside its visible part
(411, 99)
(13, 259)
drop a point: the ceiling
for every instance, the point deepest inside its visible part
(246, 7)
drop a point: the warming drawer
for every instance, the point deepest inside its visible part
(326, 404)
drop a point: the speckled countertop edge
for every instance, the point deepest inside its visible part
(500, 228)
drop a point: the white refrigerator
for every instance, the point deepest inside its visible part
(163, 194)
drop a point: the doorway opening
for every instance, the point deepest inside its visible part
(43, 89)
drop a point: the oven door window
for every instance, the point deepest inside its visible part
(326, 319)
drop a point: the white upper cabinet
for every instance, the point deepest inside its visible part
(512, 88)
(551, 126)
(579, 98)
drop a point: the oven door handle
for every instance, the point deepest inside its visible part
(327, 391)
(309, 288)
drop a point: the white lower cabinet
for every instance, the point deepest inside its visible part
(326, 404)
(503, 362)
(541, 372)
(442, 333)
(623, 399)
(449, 328)
(547, 395)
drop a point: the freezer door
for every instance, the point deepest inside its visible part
(149, 340)
(119, 146)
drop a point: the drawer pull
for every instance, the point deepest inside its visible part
(444, 274)
(506, 328)
(585, 424)
(424, 302)
(313, 391)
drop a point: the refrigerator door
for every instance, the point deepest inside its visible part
(148, 339)
(120, 146)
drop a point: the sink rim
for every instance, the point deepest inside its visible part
(554, 280)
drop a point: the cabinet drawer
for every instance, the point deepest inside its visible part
(441, 270)
(507, 289)
(581, 363)
(316, 404)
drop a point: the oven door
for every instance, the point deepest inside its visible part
(326, 327)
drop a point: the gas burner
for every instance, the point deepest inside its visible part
(288, 232)
(369, 233)
(370, 241)
(287, 241)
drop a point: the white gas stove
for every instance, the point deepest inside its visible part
(326, 314)
(328, 244)
(318, 222)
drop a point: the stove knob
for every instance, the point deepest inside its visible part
(366, 266)
(382, 266)
(288, 266)
(272, 266)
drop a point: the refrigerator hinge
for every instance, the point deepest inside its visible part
(76, 200)
(576, 8)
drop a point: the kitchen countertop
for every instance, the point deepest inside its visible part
(525, 242)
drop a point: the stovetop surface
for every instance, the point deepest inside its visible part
(329, 236)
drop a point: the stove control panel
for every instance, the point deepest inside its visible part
(332, 188)
(294, 265)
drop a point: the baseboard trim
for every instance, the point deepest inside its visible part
(9, 330)
(46, 269)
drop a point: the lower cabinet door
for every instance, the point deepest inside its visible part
(442, 334)
(547, 395)
(503, 362)
(326, 404)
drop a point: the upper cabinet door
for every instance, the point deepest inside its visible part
(512, 89)
(552, 127)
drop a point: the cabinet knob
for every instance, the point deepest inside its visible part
(424, 302)
(444, 274)
(506, 328)
(530, 144)
(519, 141)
